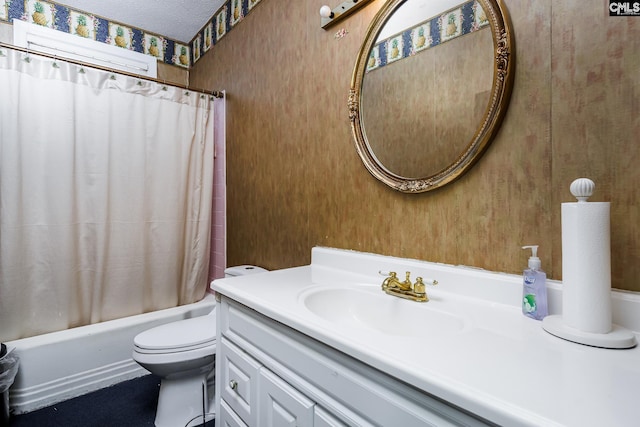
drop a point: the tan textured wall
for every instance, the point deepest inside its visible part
(172, 74)
(295, 180)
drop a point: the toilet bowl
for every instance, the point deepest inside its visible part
(182, 354)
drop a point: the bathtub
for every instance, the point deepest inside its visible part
(65, 364)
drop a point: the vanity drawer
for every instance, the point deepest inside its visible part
(239, 376)
(281, 404)
(228, 418)
(322, 418)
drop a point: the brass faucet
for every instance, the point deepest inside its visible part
(407, 290)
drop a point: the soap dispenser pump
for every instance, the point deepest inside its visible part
(534, 291)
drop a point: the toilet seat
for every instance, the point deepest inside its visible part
(180, 336)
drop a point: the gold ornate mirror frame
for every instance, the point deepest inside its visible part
(503, 74)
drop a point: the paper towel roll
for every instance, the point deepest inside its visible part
(586, 266)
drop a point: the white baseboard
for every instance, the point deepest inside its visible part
(38, 396)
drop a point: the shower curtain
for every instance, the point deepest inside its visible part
(105, 195)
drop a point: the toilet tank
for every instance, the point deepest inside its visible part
(243, 270)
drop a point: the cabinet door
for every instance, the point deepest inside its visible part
(239, 381)
(322, 418)
(228, 418)
(281, 405)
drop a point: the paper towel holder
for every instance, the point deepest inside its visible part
(618, 337)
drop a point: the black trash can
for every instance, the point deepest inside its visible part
(8, 369)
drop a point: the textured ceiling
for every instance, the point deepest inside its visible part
(179, 20)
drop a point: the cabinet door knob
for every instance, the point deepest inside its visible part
(233, 384)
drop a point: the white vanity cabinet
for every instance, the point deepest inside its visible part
(237, 377)
(282, 405)
(268, 374)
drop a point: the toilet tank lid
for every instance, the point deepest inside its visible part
(243, 270)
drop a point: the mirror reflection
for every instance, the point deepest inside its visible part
(430, 87)
(433, 85)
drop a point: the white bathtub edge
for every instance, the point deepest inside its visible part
(29, 399)
(61, 365)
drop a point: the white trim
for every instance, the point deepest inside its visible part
(42, 39)
(46, 394)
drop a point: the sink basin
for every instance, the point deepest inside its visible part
(373, 309)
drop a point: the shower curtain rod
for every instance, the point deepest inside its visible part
(214, 93)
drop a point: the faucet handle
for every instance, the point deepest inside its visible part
(419, 286)
(390, 280)
(429, 281)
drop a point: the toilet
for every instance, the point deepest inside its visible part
(182, 354)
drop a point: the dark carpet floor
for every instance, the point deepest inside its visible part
(128, 404)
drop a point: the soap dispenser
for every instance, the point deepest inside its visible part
(534, 292)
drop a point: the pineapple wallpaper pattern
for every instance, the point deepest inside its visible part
(197, 46)
(181, 55)
(450, 24)
(83, 25)
(464, 19)
(421, 37)
(395, 48)
(252, 3)
(480, 16)
(120, 36)
(221, 23)
(374, 58)
(207, 37)
(236, 12)
(40, 12)
(226, 18)
(86, 25)
(154, 45)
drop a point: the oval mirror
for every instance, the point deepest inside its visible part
(429, 89)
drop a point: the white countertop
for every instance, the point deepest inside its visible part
(499, 365)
